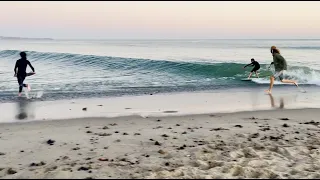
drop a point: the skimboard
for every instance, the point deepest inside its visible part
(30, 73)
(246, 79)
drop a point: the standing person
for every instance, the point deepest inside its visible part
(280, 65)
(255, 68)
(21, 64)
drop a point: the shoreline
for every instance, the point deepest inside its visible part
(259, 144)
(158, 105)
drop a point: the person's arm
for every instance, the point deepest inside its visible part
(248, 65)
(15, 68)
(270, 64)
(30, 66)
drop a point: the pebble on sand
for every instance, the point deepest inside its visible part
(157, 143)
(285, 125)
(239, 126)
(51, 142)
(11, 171)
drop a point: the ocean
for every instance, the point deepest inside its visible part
(68, 69)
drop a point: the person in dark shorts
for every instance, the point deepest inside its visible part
(21, 74)
(255, 68)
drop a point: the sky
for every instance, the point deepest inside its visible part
(160, 19)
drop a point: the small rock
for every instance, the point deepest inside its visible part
(116, 132)
(169, 128)
(158, 120)
(2, 154)
(285, 125)
(253, 118)
(157, 143)
(147, 156)
(113, 124)
(83, 168)
(218, 129)
(87, 127)
(284, 119)
(161, 152)
(151, 139)
(312, 123)
(51, 142)
(100, 105)
(65, 157)
(184, 132)
(105, 147)
(104, 134)
(103, 159)
(22, 151)
(37, 164)
(125, 134)
(166, 164)
(177, 124)
(84, 109)
(76, 148)
(164, 135)
(137, 134)
(239, 126)
(88, 132)
(105, 127)
(255, 135)
(11, 171)
(118, 140)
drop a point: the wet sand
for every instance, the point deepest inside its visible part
(261, 144)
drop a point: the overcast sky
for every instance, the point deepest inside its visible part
(120, 19)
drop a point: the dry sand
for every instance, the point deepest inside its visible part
(236, 145)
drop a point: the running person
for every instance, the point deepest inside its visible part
(280, 65)
(21, 64)
(255, 68)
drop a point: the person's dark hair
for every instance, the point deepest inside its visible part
(23, 55)
(252, 60)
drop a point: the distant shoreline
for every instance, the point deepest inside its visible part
(23, 38)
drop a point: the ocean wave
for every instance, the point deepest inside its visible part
(224, 70)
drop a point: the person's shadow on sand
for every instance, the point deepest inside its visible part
(273, 104)
(23, 109)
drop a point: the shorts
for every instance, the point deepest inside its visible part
(278, 74)
(255, 69)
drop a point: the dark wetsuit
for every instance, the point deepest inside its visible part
(21, 64)
(256, 66)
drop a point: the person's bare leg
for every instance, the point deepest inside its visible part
(249, 75)
(271, 85)
(257, 74)
(289, 81)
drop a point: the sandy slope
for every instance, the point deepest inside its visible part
(237, 145)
